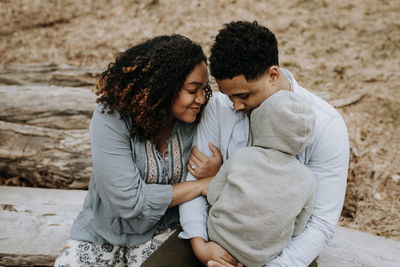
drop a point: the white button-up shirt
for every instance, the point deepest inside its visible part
(327, 157)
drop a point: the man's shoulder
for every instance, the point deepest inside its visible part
(325, 113)
(220, 101)
(219, 108)
(323, 109)
(327, 120)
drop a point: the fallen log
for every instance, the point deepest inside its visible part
(47, 106)
(45, 111)
(49, 74)
(44, 137)
(35, 224)
(337, 103)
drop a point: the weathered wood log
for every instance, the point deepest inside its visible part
(44, 136)
(337, 103)
(35, 224)
(48, 74)
(46, 106)
(45, 157)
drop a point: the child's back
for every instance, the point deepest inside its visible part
(263, 195)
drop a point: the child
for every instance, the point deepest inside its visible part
(263, 196)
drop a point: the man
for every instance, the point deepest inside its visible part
(244, 62)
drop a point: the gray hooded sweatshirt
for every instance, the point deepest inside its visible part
(263, 196)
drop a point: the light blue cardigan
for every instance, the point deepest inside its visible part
(120, 208)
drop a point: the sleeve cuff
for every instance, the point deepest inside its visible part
(158, 198)
(194, 229)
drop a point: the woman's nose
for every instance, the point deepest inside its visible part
(200, 97)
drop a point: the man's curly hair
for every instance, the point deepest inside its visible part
(243, 47)
(144, 81)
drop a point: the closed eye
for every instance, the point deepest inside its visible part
(243, 96)
(194, 91)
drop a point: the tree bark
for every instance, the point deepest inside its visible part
(45, 112)
(44, 135)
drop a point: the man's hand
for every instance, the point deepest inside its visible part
(212, 254)
(201, 166)
(217, 264)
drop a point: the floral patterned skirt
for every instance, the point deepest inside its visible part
(83, 253)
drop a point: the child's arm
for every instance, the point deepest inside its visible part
(218, 183)
(304, 215)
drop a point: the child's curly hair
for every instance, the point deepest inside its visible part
(146, 79)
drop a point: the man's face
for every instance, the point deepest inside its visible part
(246, 95)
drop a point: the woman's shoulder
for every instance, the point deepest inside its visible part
(106, 113)
(114, 120)
(186, 129)
(104, 110)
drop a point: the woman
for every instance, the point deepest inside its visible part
(141, 132)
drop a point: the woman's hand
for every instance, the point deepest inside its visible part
(186, 191)
(201, 166)
(212, 254)
(205, 183)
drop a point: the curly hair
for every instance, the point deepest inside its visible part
(243, 47)
(144, 81)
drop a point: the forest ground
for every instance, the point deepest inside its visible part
(338, 49)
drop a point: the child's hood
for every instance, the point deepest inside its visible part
(285, 121)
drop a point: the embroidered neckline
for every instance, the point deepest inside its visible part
(162, 170)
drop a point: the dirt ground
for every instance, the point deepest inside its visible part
(337, 48)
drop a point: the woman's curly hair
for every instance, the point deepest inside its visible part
(243, 47)
(145, 80)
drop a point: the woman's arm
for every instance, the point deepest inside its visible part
(189, 190)
(131, 205)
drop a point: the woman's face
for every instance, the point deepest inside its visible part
(192, 95)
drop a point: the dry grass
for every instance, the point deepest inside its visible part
(342, 48)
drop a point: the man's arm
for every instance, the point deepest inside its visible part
(329, 163)
(193, 214)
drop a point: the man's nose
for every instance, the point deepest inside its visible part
(238, 105)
